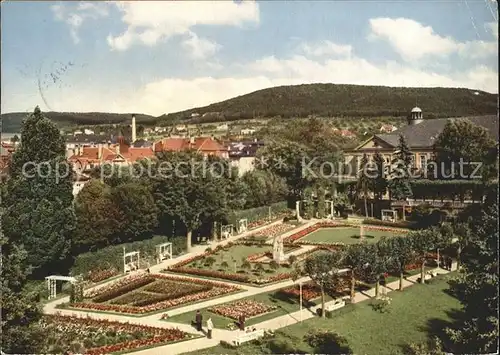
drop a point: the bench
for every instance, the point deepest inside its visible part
(245, 337)
(335, 305)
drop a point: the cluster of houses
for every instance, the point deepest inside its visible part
(87, 152)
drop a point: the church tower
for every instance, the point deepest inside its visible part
(416, 116)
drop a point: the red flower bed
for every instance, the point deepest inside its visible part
(80, 329)
(257, 256)
(247, 308)
(212, 273)
(99, 275)
(309, 291)
(145, 305)
(413, 266)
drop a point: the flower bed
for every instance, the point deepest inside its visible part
(118, 291)
(182, 291)
(97, 337)
(247, 308)
(304, 232)
(100, 275)
(212, 273)
(309, 291)
(275, 230)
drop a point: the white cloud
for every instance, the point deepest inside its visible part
(150, 21)
(200, 48)
(75, 18)
(175, 94)
(414, 41)
(326, 48)
(492, 27)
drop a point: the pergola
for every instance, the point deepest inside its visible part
(242, 225)
(130, 261)
(389, 215)
(52, 283)
(331, 208)
(163, 251)
(226, 230)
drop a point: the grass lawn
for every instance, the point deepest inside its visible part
(346, 235)
(234, 258)
(415, 314)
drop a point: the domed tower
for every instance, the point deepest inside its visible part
(416, 116)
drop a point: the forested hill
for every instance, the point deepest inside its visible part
(332, 100)
(11, 122)
(327, 100)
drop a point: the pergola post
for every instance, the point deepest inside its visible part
(297, 211)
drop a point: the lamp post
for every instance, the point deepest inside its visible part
(300, 291)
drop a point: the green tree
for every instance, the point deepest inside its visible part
(39, 196)
(97, 217)
(423, 241)
(463, 234)
(477, 287)
(264, 188)
(377, 175)
(401, 166)
(364, 182)
(322, 268)
(401, 255)
(356, 258)
(137, 209)
(463, 140)
(21, 311)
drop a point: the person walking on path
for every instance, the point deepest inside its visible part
(210, 326)
(241, 321)
(450, 262)
(198, 319)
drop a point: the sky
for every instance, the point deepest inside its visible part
(161, 57)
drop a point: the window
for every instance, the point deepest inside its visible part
(423, 161)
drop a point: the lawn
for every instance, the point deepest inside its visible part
(228, 264)
(346, 235)
(415, 313)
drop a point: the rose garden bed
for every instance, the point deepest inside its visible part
(331, 233)
(90, 336)
(247, 308)
(145, 293)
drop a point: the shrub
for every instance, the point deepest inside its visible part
(209, 261)
(112, 256)
(273, 265)
(327, 342)
(292, 259)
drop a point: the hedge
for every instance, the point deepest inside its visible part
(402, 224)
(112, 256)
(450, 189)
(258, 213)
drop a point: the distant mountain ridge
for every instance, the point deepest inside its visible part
(333, 100)
(11, 122)
(326, 100)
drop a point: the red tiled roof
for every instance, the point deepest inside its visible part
(202, 144)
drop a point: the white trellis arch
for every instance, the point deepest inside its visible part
(130, 261)
(163, 251)
(52, 283)
(226, 230)
(389, 215)
(242, 225)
